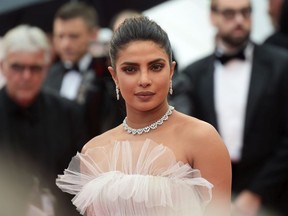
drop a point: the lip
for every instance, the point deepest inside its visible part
(144, 95)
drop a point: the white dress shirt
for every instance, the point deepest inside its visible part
(72, 79)
(231, 87)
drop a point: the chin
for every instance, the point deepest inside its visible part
(67, 58)
(25, 101)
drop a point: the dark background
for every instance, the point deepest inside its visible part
(41, 14)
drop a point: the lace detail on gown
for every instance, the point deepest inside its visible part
(139, 178)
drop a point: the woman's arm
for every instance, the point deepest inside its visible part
(212, 159)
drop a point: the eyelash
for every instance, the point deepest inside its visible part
(157, 67)
(154, 67)
(129, 69)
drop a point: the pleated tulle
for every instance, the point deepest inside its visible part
(134, 178)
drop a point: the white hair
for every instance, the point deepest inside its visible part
(25, 38)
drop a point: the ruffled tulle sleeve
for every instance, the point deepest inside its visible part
(134, 178)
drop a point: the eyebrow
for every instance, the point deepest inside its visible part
(244, 7)
(149, 63)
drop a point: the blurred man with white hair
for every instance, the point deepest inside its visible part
(37, 130)
(2, 79)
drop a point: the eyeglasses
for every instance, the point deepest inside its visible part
(33, 68)
(230, 14)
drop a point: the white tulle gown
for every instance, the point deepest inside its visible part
(139, 178)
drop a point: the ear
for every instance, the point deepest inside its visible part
(1, 65)
(2, 69)
(46, 69)
(173, 65)
(94, 33)
(113, 74)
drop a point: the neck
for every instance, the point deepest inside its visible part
(21, 102)
(138, 119)
(24, 103)
(149, 127)
(228, 48)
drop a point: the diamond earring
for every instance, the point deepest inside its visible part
(117, 92)
(170, 88)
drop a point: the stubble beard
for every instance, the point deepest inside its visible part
(235, 42)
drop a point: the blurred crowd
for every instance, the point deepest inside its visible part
(56, 94)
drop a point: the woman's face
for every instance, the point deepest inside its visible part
(143, 74)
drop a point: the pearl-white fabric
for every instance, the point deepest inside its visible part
(140, 178)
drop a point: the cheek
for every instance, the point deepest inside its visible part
(39, 80)
(161, 85)
(13, 84)
(166, 86)
(83, 41)
(12, 79)
(127, 83)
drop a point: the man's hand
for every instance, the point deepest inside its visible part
(246, 204)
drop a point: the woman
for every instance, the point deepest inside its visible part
(149, 165)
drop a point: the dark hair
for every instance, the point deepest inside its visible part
(72, 10)
(124, 14)
(213, 5)
(135, 29)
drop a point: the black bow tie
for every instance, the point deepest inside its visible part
(73, 67)
(224, 58)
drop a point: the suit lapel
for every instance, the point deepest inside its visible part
(258, 83)
(57, 76)
(208, 92)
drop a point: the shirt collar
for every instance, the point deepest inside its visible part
(248, 50)
(82, 64)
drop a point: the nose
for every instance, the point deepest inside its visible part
(239, 17)
(144, 79)
(64, 42)
(27, 73)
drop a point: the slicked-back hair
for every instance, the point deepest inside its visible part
(214, 4)
(82, 10)
(138, 29)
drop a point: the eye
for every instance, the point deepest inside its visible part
(74, 36)
(229, 14)
(246, 12)
(36, 68)
(17, 67)
(157, 67)
(129, 69)
(58, 36)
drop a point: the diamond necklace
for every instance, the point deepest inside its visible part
(149, 127)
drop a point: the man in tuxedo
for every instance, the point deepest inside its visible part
(242, 89)
(78, 75)
(39, 132)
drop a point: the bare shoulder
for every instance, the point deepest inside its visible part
(194, 129)
(198, 136)
(206, 151)
(100, 140)
(202, 142)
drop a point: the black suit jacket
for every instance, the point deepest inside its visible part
(96, 95)
(264, 165)
(38, 141)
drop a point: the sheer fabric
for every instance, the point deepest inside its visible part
(134, 178)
